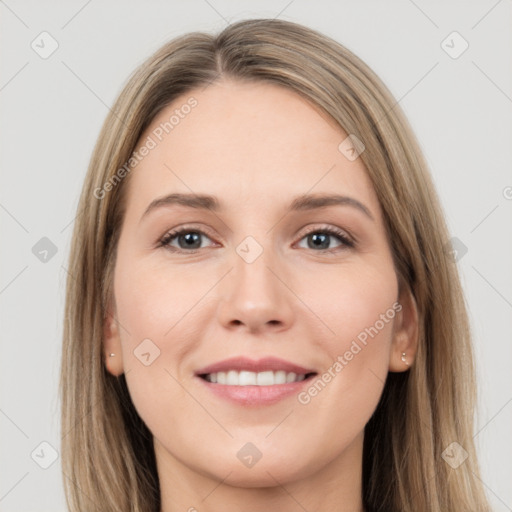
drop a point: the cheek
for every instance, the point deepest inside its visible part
(358, 305)
(157, 304)
(161, 314)
(360, 309)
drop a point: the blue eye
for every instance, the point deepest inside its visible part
(320, 240)
(188, 240)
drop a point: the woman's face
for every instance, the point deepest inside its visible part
(256, 343)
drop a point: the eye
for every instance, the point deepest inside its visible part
(190, 240)
(321, 239)
(187, 240)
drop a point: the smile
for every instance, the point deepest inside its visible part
(248, 382)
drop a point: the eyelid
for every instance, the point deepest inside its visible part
(329, 228)
(172, 233)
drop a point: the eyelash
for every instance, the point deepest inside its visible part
(342, 236)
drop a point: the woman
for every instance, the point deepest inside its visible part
(262, 313)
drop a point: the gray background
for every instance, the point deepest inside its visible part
(52, 110)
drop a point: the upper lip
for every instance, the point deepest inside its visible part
(260, 365)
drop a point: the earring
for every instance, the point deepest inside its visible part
(403, 359)
(111, 355)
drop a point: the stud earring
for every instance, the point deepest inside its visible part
(404, 359)
(111, 355)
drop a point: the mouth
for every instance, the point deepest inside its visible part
(250, 383)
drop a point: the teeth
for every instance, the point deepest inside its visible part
(242, 378)
(245, 378)
(269, 378)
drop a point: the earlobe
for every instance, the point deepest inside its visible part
(405, 334)
(112, 352)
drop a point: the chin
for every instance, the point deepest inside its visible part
(260, 475)
(244, 467)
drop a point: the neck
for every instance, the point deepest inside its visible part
(335, 487)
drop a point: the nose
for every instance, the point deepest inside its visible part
(255, 296)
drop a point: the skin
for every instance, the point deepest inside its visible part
(255, 146)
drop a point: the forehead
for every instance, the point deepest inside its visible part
(245, 142)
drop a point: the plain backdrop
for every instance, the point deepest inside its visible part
(459, 103)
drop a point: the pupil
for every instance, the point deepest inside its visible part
(190, 239)
(319, 239)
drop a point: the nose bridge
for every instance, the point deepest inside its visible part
(252, 294)
(251, 268)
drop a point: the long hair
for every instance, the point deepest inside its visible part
(107, 452)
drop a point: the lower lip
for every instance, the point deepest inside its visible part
(256, 395)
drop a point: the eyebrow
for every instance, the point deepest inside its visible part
(303, 202)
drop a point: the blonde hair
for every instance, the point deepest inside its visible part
(107, 452)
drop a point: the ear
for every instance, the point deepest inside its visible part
(112, 351)
(405, 333)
